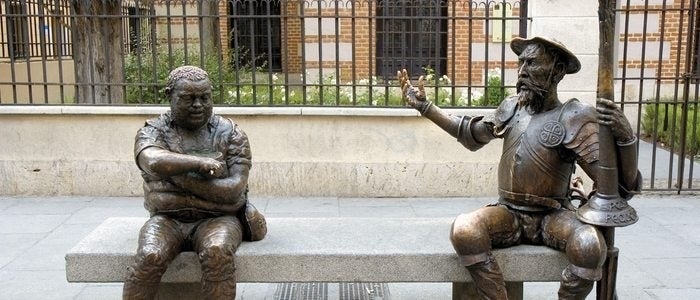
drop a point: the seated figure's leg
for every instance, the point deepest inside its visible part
(472, 235)
(216, 241)
(585, 248)
(159, 243)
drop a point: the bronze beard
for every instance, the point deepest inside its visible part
(533, 97)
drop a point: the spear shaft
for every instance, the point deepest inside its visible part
(607, 174)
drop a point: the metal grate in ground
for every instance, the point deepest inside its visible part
(302, 291)
(364, 291)
(325, 290)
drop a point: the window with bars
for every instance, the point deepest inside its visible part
(255, 33)
(35, 29)
(411, 34)
(17, 29)
(139, 27)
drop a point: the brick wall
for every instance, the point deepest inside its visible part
(665, 25)
(357, 28)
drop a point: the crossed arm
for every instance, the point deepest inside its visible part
(206, 178)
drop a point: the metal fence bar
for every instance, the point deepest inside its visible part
(663, 86)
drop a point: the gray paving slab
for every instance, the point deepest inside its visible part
(321, 207)
(111, 291)
(690, 233)
(110, 202)
(49, 252)
(661, 244)
(95, 215)
(447, 207)
(15, 244)
(45, 284)
(673, 293)
(259, 202)
(422, 291)
(674, 273)
(386, 211)
(660, 158)
(6, 202)
(373, 202)
(52, 206)
(631, 274)
(30, 223)
(674, 215)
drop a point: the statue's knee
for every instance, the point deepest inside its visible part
(153, 259)
(587, 251)
(149, 267)
(468, 235)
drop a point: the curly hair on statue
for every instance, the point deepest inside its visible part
(191, 73)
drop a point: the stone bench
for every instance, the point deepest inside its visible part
(319, 250)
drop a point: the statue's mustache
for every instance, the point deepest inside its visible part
(531, 85)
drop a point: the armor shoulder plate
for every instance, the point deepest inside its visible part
(505, 110)
(575, 116)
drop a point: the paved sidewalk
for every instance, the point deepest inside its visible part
(659, 256)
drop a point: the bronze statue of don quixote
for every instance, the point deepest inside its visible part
(543, 138)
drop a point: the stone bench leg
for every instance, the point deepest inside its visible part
(467, 290)
(183, 290)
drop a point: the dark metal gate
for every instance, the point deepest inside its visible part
(411, 35)
(658, 79)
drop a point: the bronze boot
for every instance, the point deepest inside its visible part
(488, 279)
(574, 287)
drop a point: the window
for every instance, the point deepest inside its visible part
(138, 28)
(255, 33)
(411, 34)
(18, 29)
(35, 28)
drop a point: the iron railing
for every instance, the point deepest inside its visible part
(658, 82)
(260, 52)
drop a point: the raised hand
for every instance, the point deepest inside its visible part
(610, 115)
(413, 96)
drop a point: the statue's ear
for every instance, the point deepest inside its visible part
(559, 71)
(168, 91)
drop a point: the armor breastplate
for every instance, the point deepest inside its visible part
(535, 168)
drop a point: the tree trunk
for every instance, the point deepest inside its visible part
(97, 51)
(210, 39)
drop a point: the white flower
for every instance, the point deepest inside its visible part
(446, 79)
(275, 77)
(496, 72)
(429, 77)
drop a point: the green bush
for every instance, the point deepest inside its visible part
(146, 74)
(660, 117)
(495, 93)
